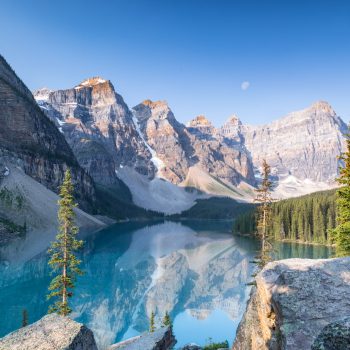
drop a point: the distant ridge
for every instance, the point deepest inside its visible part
(147, 143)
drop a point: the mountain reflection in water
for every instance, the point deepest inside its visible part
(197, 271)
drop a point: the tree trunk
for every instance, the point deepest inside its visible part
(64, 272)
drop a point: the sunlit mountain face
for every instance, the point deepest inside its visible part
(197, 271)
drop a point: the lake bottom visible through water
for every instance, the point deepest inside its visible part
(196, 270)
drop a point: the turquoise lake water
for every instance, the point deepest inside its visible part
(197, 271)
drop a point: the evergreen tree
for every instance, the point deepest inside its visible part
(167, 320)
(24, 318)
(309, 218)
(62, 252)
(152, 326)
(341, 234)
(263, 219)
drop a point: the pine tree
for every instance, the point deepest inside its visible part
(263, 197)
(341, 234)
(24, 318)
(309, 218)
(167, 320)
(152, 326)
(62, 252)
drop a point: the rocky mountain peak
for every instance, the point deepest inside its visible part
(90, 82)
(98, 126)
(317, 112)
(155, 104)
(200, 120)
(156, 110)
(201, 126)
(303, 144)
(324, 107)
(196, 145)
(233, 120)
(231, 127)
(101, 91)
(42, 94)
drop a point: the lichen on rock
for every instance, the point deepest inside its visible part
(334, 336)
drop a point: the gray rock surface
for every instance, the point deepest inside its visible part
(160, 339)
(192, 347)
(108, 140)
(302, 144)
(106, 137)
(99, 128)
(33, 208)
(181, 147)
(51, 332)
(167, 137)
(293, 301)
(334, 336)
(31, 141)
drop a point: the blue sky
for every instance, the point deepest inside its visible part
(194, 54)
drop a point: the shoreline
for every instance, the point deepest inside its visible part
(286, 240)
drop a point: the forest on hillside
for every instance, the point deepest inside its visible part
(308, 218)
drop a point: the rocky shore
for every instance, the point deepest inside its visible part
(62, 333)
(298, 304)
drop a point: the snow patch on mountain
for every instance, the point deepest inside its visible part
(291, 186)
(42, 94)
(158, 163)
(90, 82)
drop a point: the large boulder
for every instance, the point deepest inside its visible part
(192, 347)
(50, 332)
(161, 339)
(294, 300)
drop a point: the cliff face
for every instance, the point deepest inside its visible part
(167, 137)
(182, 147)
(106, 136)
(292, 304)
(145, 144)
(98, 126)
(225, 158)
(303, 144)
(30, 140)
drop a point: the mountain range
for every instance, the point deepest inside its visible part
(141, 161)
(167, 165)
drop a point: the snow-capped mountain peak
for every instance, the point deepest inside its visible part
(90, 82)
(42, 94)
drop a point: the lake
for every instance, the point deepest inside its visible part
(196, 270)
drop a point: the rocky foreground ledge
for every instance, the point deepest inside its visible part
(54, 332)
(161, 339)
(298, 304)
(50, 332)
